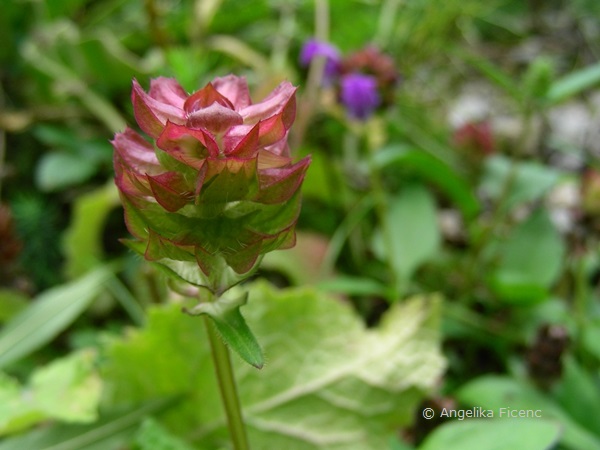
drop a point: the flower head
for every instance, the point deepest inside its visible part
(477, 136)
(370, 60)
(359, 94)
(217, 189)
(313, 49)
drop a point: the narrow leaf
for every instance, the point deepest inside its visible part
(52, 312)
(574, 83)
(496, 75)
(112, 432)
(233, 328)
(434, 170)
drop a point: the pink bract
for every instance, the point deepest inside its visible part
(217, 183)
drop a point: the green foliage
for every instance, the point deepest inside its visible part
(432, 170)
(574, 83)
(52, 312)
(579, 396)
(394, 207)
(517, 182)
(74, 159)
(494, 435)
(68, 390)
(414, 235)
(495, 392)
(11, 303)
(40, 254)
(530, 260)
(153, 436)
(83, 239)
(232, 328)
(362, 382)
(109, 433)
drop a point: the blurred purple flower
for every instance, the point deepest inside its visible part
(314, 48)
(359, 95)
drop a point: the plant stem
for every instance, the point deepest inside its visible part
(308, 104)
(227, 387)
(380, 197)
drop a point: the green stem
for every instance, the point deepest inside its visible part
(226, 380)
(308, 103)
(380, 197)
(2, 141)
(387, 21)
(153, 21)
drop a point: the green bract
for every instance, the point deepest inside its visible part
(217, 189)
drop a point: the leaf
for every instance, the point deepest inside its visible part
(397, 444)
(496, 392)
(528, 180)
(579, 395)
(153, 436)
(50, 313)
(58, 170)
(111, 432)
(415, 236)
(65, 75)
(530, 260)
(329, 383)
(68, 389)
(353, 286)
(318, 178)
(496, 75)
(178, 59)
(537, 79)
(494, 434)
(302, 264)
(574, 83)
(83, 239)
(591, 339)
(11, 303)
(433, 170)
(225, 315)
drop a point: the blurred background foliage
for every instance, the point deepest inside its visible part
(477, 179)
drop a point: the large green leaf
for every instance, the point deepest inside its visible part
(578, 393)
(48, 315)
(414, 235)
(494, 434)
(496, 392)
(329, 383)
(530, 260)
(68, 389)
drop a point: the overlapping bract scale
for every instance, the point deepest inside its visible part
(215, 183)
